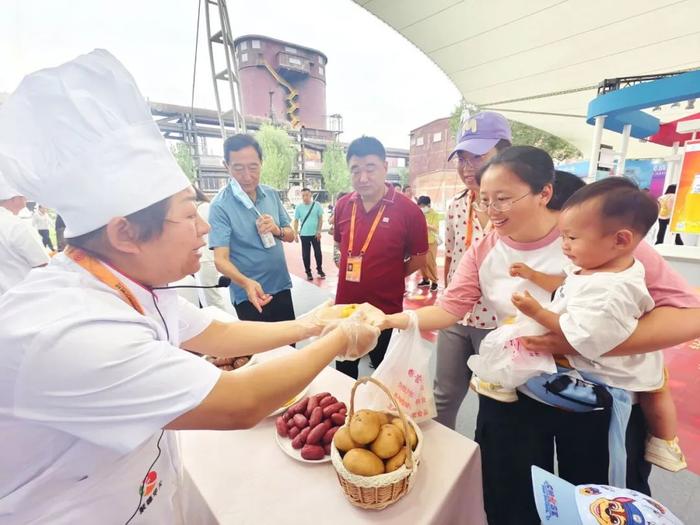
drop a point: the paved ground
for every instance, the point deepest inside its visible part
(681, 491)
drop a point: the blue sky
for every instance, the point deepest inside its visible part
(378, 81)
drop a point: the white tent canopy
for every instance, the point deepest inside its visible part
(503, 54)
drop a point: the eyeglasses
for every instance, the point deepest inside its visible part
(502, 205)
(474, 162)
(239, 169)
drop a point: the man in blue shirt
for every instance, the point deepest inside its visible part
(310, 214)
(248, 222)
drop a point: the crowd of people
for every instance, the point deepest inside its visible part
(102, 359)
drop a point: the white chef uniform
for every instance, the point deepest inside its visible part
(88, 378)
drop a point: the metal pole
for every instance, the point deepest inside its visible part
(672, 166)
(595, 148)
(303, 160)
(623, 150)
(213, 70)
(230, 65)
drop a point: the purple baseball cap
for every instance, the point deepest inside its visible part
(481, 132)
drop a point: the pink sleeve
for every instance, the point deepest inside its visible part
(665, 285)
(464, 289)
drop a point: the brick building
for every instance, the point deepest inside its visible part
(429, 171)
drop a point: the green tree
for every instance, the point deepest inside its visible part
(183, 156)
(403, 176)
(524, 134)
(278, 156)
(336, 175)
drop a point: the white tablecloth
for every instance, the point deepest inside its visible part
(245, 478)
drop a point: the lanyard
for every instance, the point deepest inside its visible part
(377, 218)
(471, 217)
(470, 220)
(94, 267)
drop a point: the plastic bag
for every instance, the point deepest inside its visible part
(405, 371)
(504, 361)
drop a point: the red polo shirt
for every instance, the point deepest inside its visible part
(401, 233)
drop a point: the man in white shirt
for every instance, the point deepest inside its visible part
(42, 222)
(20, 248)
(94, 373)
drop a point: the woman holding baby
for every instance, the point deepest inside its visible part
(514, 270)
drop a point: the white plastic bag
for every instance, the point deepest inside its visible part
(405, 371)
(504, 361)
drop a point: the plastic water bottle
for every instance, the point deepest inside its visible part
(268, 240)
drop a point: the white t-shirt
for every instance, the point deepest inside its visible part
(41, 221)
(86, 385)
(599, 312)
(20, 250)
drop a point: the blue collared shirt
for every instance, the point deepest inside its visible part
(234, 226)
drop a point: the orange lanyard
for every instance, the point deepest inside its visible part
(377, 218)
(94, 267)
(470, 220)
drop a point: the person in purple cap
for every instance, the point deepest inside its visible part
(481, 137)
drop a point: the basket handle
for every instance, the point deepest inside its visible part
(407, 442)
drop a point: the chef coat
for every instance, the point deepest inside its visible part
(20, 249)
(86, 385)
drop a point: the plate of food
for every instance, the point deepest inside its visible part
(286, 445)
(291, 401)
(306, 429)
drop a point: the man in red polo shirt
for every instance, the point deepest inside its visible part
(382, 238)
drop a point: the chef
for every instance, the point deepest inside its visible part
(94, 373)
(20, 247)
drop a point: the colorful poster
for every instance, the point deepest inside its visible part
(686, 209)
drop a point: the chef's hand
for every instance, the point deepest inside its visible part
(256, 295)
(266, 223)
(361, 336)
(547, 344)
(315, 321)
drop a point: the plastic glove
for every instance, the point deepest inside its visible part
(362, 336)
(314, 321)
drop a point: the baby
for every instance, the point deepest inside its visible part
(598, 303)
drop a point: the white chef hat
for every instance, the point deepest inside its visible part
(6, 191)
(80, 139)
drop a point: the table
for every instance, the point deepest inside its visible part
(244, 477)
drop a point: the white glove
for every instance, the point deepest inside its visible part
(362, 336)
(313, 322)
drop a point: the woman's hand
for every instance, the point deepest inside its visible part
(373, 315)
(548, 344)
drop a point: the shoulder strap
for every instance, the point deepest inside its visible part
(313, 203)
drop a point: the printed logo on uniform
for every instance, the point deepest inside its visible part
(149, 490)
(385, 219)
(550, 501)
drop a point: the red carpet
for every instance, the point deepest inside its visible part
(682, 361)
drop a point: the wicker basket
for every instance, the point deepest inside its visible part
(378, 492)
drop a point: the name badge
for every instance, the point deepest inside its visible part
(353, 270)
